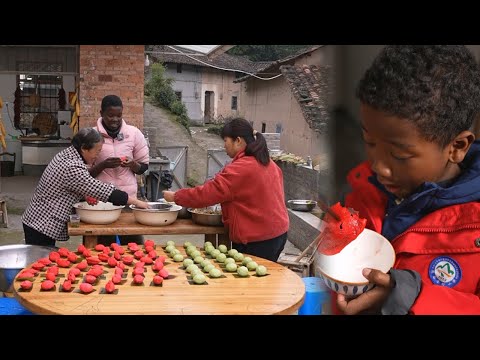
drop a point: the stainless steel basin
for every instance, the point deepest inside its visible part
(14, 258)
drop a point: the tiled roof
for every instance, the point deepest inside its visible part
(269, 65)
(225, 61)
(311, 86)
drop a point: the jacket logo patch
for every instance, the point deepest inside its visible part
(445, 271)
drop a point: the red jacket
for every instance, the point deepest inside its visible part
(251, 195)
(443, 247)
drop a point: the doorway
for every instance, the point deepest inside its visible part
(209, 107)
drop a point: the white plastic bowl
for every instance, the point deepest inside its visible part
(100, 214)
(156, 217)
(342, 272)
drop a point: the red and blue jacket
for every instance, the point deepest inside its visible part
(435, 231)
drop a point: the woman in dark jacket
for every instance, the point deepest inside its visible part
(66, 181)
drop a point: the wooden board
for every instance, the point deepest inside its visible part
(33, 138)
(280, 292)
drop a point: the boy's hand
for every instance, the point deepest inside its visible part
(372, 300)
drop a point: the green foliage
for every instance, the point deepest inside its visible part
(265, 52)
(159, 90)
(177, 107)
(215, 129)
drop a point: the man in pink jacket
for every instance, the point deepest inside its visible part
(124, 154)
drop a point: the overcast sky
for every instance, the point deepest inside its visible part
(200, 48)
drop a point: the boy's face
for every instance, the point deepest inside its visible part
(400, 156)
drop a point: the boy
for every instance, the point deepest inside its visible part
(421, 184)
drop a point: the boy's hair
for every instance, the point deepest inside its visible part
(111, 101)
(437, 87)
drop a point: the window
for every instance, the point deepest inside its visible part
(278, 128)
(178, 94)
(234, 103)
(39, 93)
(37, 101)
(239, 74)
(179, 68)
(264, 127)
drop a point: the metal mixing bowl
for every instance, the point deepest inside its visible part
(156, 217)
(206, 219)
(302, 205)
(182, 214)
(14, 258)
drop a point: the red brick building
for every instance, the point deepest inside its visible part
(111, 69)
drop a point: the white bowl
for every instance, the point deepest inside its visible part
(100, 214)
(153, 217)
(342, 272)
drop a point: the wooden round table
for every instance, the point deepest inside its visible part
(280, 292)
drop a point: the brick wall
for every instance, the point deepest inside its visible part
(111, 69)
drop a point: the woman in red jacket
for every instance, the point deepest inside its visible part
(250, 191)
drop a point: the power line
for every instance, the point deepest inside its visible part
(218, 67)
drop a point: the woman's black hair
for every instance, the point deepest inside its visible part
(86, 138)
(436, 87)
(256, 144)
(111, 101)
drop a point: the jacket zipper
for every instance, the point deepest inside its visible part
(436, 230)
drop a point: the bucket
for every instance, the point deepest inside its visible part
(10, 306)
(7, 168)
(316, 295)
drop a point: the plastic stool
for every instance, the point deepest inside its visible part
(10, 306)
(316, 294)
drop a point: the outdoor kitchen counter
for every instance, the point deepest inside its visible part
(280, 292)
(126, 225)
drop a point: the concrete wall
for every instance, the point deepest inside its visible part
(300, 182)
(189, 82)
(111, 69)
(267, 102)
(221, 83)
(8, 84)
(298, 138)
(351, 63)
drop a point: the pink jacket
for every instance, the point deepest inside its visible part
(133, 145)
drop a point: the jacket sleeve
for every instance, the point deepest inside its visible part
(442, 300)
(140, 149)
(217, 190)
(79, 181)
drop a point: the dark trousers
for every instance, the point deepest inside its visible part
(33, 237)
(107, 240)
(267, 249)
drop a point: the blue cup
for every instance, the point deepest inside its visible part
(316, 294)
